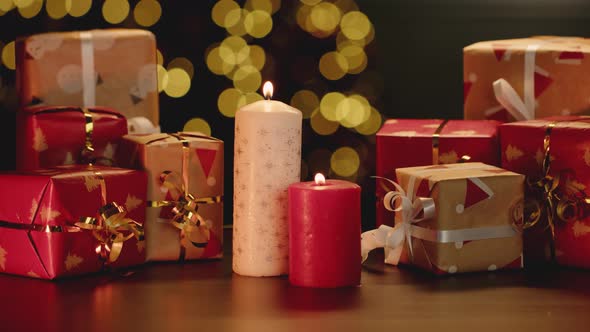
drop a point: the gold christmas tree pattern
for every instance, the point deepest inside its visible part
(72, 261)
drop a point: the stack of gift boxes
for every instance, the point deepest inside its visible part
(503, 188)
(69, 209)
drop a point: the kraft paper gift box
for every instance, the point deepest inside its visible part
(554, 154)
(114, 68)
(525, 79)
(54, 136)
(71, 220)
(184, 170)
(413, 142)
(453, 218)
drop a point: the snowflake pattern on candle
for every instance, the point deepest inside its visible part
(265, 164)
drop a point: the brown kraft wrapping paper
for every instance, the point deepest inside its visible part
(90, 68)
(161, 153)
(548, 74)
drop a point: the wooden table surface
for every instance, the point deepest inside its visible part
(206, 296)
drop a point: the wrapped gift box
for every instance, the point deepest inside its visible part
(42, 233)
(54, 136)
(90, 68)
(455, 218)
(548, 76)
(179, 165)
(406, 143)
(564, 174)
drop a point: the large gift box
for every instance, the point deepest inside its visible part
(453, 218)
(184, 218)
(90, 68)
(524, 79)
(71, 220)
(554, 154)
(54, 136)
(406, 143)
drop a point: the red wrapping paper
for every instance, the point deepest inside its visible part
(54, 136)
(408, 143)
(60, 197)
(523, 152)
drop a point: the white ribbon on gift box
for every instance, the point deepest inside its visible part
(507, 96)
(412, 211)
(135, 125)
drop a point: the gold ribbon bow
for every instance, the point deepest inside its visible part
(185, 208)
(111, 227)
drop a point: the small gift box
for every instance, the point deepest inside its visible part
(524, 79)
(90, 68)
(406, 143)
(554, 154)
(184, 218)
(71, 220)
(54, 136)
(453, 218)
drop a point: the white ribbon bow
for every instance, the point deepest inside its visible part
(520, 109)
(411, 210)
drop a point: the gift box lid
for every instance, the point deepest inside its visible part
(438, 173)
(567, 46)
(162, 139)
(576, 121)
(106, 34)
(50, 109)
(428, 127)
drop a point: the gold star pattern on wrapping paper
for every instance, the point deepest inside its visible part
(72, 261)
(39, 143)
(580, 229)
(587, 156)
(109, 151)
(47, 214)
(132, 202)
(91, 182)
(448, 157)
(573, 185)
(2, 258)
(33, 274)
(34, 206)
(512, 152)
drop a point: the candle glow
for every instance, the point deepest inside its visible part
(267, 90)
(319, 179)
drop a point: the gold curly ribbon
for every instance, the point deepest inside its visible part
(111, 228)
(557, 205)
(185, 208)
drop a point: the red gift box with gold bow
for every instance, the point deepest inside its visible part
(422, 142)
(554, 154)
(54, 136)
(184, 218)
(71, 220)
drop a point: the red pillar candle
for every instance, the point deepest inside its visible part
(324, 233)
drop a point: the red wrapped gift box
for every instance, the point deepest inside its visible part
(562, 176)
(54, 136)
(50, 225)
(412, 142)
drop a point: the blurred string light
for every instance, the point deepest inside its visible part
(115, 11)
(8, 57)
(234, 57)
(147, 12)
(197, 124)
(345, 161)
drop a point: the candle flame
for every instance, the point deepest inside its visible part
(267, 90)
(319, 178)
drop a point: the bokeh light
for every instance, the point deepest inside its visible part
(311, 2)
(333, 65)
(159, 58)
(355, 58)
(231, 99)
(325, 16)
(306, 101)
(328, 105)
(258, 23)
(372, 125)
(247, 79)
(345, 161)
(162, 78)
(179, 82)
(8, 57)
(234, 50)
(221, 10)
(78, 8)
(256, 57)
(23, 3)
(199, 125)
(6, 5)
(147, 12)
(321, 125)
(234, 22)
(355, 25)
(32, 9)
(353, 110)
(216, 64)
(56, 9)
(183, 63)
(115, 11)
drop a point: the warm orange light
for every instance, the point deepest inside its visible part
(267, 90)
(319, 179)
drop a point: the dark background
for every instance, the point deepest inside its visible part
(414, 68)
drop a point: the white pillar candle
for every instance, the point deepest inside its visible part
(267, 159)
